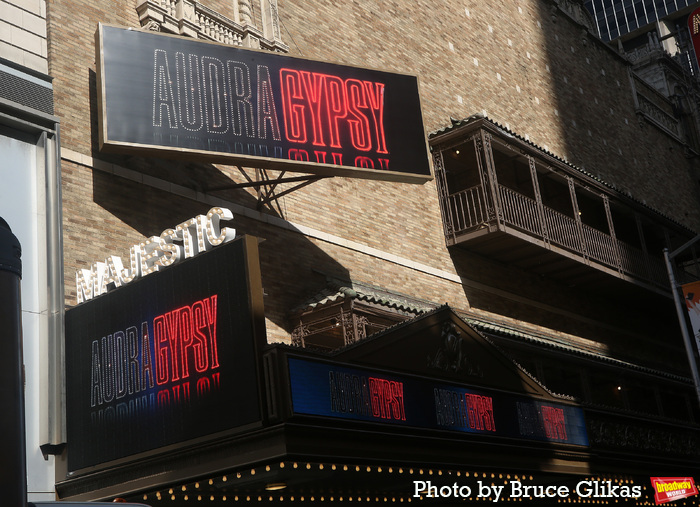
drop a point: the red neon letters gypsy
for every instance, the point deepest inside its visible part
(185, 337)
(317, 106)
(184, 343)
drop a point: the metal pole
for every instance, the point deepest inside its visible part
(680, 311)
(13, 460)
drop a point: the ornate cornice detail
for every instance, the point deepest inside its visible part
(659, 117)
(192, 19)
(577, 12)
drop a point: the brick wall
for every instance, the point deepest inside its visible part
(523, 63)
(527, 66)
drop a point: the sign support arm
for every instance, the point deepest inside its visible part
(680, 311)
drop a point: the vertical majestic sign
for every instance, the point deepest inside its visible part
(166, 359)
(175, 96)
(691, 293)
(694, 27)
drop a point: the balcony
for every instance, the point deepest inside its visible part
(504, 198)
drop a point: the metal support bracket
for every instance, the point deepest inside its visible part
(267, 186)
(681, 309)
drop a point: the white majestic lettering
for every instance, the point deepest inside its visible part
(183, 241)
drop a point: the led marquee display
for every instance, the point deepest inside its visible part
(175, 96)
(331, 390)
(166, 359)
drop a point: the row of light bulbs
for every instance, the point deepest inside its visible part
(360, 499)
(173, 494)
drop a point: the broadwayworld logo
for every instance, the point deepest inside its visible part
(667, 489)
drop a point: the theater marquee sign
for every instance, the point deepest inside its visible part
(173, 96)
(342, 392)
(166, 359)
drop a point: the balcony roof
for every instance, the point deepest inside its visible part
(337, 290)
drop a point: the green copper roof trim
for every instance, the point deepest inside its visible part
(490, 327)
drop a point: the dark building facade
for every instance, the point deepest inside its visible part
(615, 19)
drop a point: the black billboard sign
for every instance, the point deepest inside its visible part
(173, 96)
(342, 392)
(170, 358)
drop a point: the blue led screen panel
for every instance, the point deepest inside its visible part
(371, 396)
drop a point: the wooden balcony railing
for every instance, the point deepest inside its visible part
(468, 211)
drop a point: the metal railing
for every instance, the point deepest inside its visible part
(468, 211)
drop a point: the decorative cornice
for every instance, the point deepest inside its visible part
(192, 19)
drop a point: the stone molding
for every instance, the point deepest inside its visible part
(192, 19)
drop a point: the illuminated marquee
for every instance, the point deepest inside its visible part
(182, 339)
(166, 358)
(182, 97)
(467, 410)
(328, 390)
(369, 396)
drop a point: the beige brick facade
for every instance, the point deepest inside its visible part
(525, 64)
